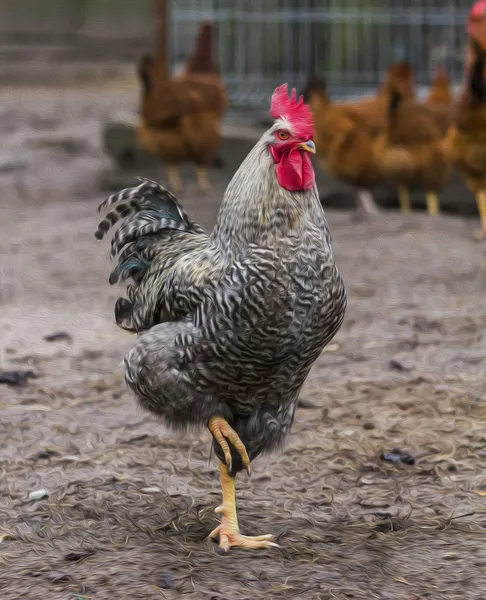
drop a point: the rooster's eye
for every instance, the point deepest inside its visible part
(283, 135)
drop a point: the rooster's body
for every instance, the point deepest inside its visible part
(230, 323)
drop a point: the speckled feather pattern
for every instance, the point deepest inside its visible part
(229, 323)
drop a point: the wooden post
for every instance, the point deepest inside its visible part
(161, 46)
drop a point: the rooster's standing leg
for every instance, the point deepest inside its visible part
(228, 530)
(202, 179)
(174, 178)
(432, 203)
(404, 199)
(481, 202)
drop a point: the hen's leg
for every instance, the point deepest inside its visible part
(202, 179)
(228, 530)
(481, 202)
(224, 433)
(174, 178)
(432, 203)
(367, 203)
(404, 199)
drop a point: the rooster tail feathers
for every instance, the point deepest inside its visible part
(144, 211)
(151, 208)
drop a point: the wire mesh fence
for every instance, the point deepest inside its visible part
(350, 42)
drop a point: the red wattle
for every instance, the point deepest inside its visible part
(295, 172)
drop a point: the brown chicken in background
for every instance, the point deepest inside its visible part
(440, 100)
(411, 151)
(465, 142)
(344, 148)
(181, 115)
(373, 109)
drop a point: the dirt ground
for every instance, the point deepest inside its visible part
(129, 504)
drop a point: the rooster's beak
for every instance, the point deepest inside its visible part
(308, 146)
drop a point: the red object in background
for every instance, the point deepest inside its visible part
(476, 29)
(477, 17)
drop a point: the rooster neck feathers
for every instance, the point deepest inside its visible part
(256, 208)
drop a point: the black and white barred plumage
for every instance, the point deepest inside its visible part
(230, 323)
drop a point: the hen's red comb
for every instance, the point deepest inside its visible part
(297, 113)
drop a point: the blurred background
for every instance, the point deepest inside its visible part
(260, 44)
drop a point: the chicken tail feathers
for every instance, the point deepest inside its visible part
(477, 85)
(143, 211)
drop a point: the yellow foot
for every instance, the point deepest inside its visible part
(404, 199)
(479, 235)
(230, 536)
(481, 200)
(202, 180)
(432, 204)
(174, 179)
(224, 433)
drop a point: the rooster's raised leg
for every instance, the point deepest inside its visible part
(404, 199)
(432, 203)
(174, 178)
(228, 530)
(481, 202)
(223, 433)
(202, 179)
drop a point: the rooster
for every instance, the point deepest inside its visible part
(230, 323)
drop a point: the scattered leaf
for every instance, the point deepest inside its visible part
(165, 582)
(303, 403)
(151, 490)
(480, 492)
(38, 495)
(79, 556)
(396, 365)
(401, 580)
(58, 336)
(56, 576)
(46, 453)
(15, 377)
(397, 456)
(331, 348)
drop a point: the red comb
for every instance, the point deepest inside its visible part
(476, 14)
(297, 113)
(478, 10)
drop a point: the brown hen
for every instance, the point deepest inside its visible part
(440, 101)
(181, 115)
(344, 148)
(465, 143)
